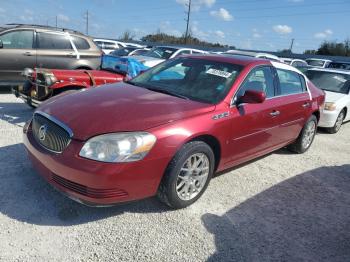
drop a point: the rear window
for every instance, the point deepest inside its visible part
(53, 41)
(330, 81)
(290, 82)
(80, 43)
(345, 66)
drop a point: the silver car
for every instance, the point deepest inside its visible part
(23, 46)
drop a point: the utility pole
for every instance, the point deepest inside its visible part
(291, 45)
(188, 20)
(87, 22)
(56, 21)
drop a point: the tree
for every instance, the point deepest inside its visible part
(160, 37)
(127, 36)
(332, 48)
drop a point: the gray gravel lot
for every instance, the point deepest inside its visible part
(283, 207)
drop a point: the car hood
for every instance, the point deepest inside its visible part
(332, 97)
(83, 75)
(119, 107)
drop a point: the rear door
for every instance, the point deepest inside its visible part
(293, 103)
(254, 127)
(54, 50)
(16, 54)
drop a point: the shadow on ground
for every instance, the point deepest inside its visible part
(15, 113)
(305, 218)
(26, 197)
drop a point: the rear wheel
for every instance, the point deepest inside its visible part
(306, 137)
(337, 124)
(187, 175)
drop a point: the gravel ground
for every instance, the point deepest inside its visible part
(282, 207)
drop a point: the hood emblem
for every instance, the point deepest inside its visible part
(42, 132)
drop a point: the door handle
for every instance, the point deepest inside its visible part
(275, 113)
(27, 53)
(72, 55)
(307, 104)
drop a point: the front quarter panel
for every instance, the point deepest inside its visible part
(171, 137)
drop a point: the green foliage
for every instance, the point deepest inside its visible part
(160, 37)
(332, 48)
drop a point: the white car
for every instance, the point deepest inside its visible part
(295, 62)
(254, 54)
(109, 46)
(336, 84)
(161, 53)
(320, 63)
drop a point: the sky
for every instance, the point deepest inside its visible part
(247, 24)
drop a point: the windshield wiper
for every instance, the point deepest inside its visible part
(167, 92)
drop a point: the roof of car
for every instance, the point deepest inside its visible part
(32, 26)
(331, 70)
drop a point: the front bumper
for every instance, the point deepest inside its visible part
(328, 118)
(95, 183)
(25, 98)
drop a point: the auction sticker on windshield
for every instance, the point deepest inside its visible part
(218, 73)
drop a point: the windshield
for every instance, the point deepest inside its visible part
(329, 81)
(196, 79)
(161, 52)
(313, 62)
(123, 51)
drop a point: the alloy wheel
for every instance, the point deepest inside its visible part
(309, 134)
(339, 121)
(192, 177)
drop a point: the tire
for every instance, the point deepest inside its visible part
(338, 123)
(176, 182)
(306, 136)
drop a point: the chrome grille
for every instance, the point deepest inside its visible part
(50, 134)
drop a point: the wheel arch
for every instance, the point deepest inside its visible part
(317, 114)
(214, 144)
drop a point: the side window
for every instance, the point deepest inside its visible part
(260, 79)
(290, 82)
(80, 43)
(22, 39)
(53, 41)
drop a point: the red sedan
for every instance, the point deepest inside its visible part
(167, 131)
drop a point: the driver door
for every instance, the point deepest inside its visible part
(254, 126)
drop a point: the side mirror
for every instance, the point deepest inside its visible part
(1, 44)
(252, 97)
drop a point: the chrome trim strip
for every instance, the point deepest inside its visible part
(56, 121)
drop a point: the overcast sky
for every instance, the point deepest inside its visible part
(250, 24)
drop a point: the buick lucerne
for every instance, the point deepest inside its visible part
(168, 130)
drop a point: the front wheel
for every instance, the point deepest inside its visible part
(306, 137)
(337, 124)
(187, 175)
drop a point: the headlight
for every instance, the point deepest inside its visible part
(27, 72)
(330, 106)
(50, 79)
(118, 147)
